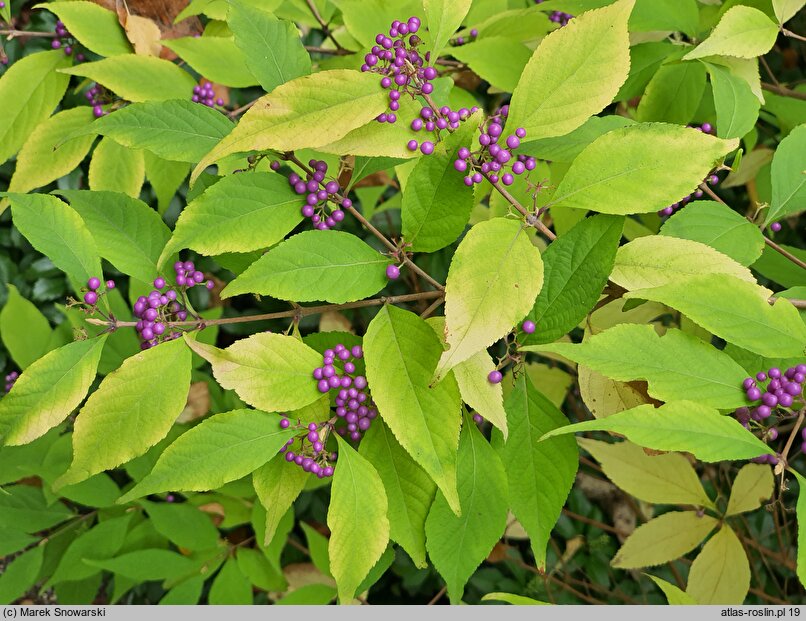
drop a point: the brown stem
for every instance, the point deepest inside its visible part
(769, 71)
(782, 90)
(327, 51)
(437, 597)
(592, 522)
(20, 34)
(368, 225)
(793, 35)
(434, 306)
(795, 303)
(531, 218)
(322, 23)
(242, 109)
(704, 187)
(792, 435)
(301, 311)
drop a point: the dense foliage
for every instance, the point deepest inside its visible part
(307, 301)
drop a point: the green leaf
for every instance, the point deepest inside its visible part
(240, 213)
(317, 548)
(24, 508)
(259, 570)
(230, 587)
(673, 94)
(185, 593)
(674, 596)
(499, 60)
(577, 266)
(30, 89)
(788, 177)
(752, 487)
(132, 410)
(663, 539)
(216, 58)
(95, 27)
(272, 48)
(277, 485)
(45, 156)
(566, 148)
(58, 232)
(25, 331)
(365, 18)
(436, 204)
(358, 497)
(458, 545)
(801, 515)
(49, 390)
(443, 18)
(633, 163)
(147, 565)
(661, 479)
(721, 572)
(574, 73)
(511, 598)
(645, 60)
(20, 575)
(177, 129)
(309, 595)
(182, 524)
(654, 15)
(718, 226)
(116, 168)
(127, 232)
(494, 261)
(138, 78)
(485, 398)
(678, 426)
(736, 105)
(13, 540)
(102, 541)
(736, 311)
(409, 489)
(401, 351)
(743, 31)
(308, 112)
(786, 9)
(676, 365)
(604, 396)
(268, 371)
(654, 261)
(222, 448)
(540, 474)
(165, 178)
(332, 266)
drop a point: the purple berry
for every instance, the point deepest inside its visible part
(495, 377)
(392, 272)
(93, 283)
(529, 326)
(91, 298)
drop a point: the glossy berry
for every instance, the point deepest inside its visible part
(392, 272)
(94, 283)
(528, 326)
(495, 377)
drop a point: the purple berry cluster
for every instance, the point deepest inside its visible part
(353, 402)
(163, 305)
(204, 94)
(396, 59)
(558, 17)
(65, 41)
(319, 195)
(92, 296)
(310, 455)
(462, 40)
(769, 403)
(434, 121)
(11, 377)
(97, 96)
(495, 156)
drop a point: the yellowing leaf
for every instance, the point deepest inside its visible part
(721, 572)
(308, 112)
(494, 262)
(574, 73)
(752, 487)
(673, 594)
(660, 479)
(663, 539)
(743, 31)
(144, 35)
(604, 396)
(271, 372)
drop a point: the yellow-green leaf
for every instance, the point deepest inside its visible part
(743, 31)
(358, 497)
(271, 372)
(94, 26)
(49, 390)
(116, 168)
(574, 73)
(721, 573)
(495, 261)
(752, 487)
(674, 595)
(663, 539)
(132, 410)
